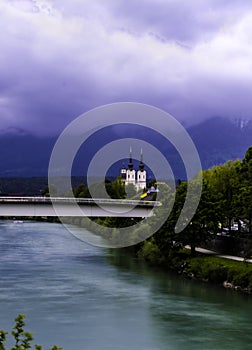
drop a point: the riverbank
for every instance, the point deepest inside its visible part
(232, 274)
(228, 273)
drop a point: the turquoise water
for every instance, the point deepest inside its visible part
(82, 297)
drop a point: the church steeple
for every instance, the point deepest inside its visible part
(141, 165)
(130, 165)
(141, 174)
(123, 172)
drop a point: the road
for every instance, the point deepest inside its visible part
(211, 252)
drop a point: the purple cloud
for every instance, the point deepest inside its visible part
(60, 58)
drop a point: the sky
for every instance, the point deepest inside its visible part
(61, 58)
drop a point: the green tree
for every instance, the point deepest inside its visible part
(22, 338)
(244, 194)
(115, 189)
(81, 191)
(224, 184)
(197, 230)
(226, 198)
(3, 335)
(52, 191)
(246, 169)
(130, 191)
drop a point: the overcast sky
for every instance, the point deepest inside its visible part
(60, 58)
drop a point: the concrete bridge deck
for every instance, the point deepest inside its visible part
(61, 206)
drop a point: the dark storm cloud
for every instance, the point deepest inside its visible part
(60, 58)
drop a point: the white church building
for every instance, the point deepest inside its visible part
(132, 176)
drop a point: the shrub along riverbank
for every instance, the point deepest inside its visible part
(228, 273)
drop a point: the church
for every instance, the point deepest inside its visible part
(131, 176)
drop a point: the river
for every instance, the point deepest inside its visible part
(82, 297)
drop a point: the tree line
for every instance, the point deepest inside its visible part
(225, 208)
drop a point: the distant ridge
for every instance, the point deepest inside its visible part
(31, 186)
(217, 140)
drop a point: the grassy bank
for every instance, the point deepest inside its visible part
(229, 273)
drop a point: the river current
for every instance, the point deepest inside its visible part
(82, 297)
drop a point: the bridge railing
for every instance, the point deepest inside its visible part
(89, 201)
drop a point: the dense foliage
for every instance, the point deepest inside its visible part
(225, 208)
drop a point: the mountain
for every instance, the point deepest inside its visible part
(24, 155)
(217, 140)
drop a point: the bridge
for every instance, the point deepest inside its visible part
(54, 206)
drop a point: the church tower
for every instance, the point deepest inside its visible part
(141, 174)
(137, 178)
(130, 172)
(123, 173)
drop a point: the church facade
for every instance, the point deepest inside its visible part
(138, 177)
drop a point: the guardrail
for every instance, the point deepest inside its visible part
(89, 201)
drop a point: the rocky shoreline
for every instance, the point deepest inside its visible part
(229, 285)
